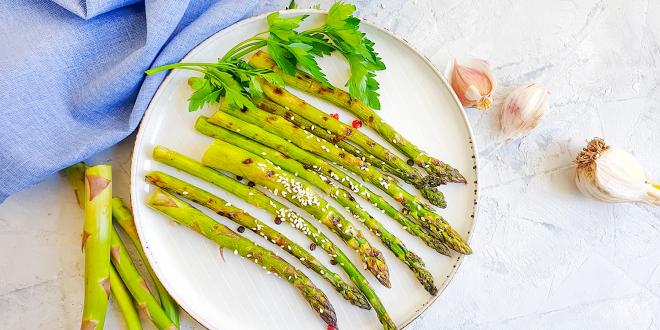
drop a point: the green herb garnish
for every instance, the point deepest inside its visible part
(236, 80)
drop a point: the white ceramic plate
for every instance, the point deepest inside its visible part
(236, 294)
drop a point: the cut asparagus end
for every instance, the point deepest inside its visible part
(434, 196)
(76, 176)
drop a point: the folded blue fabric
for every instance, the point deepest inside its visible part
(72, 77)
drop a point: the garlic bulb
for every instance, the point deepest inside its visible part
(613, 175)
(522, 110)
(473, 83)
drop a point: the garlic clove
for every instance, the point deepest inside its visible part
(613, 175)
(473, 83)
(522, 110)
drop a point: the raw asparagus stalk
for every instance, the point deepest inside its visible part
(75, 174)
(276, 109)
(76, 177)
(277, 209)
(441, 172)
(96, 244)
(323, 167)
(124, 300)
(280, 126)
(183, 213)
(136, 284)
(122, 216)
(343, 197)
(304, 140)
(227, 157)
(341, 131)
(222, 207)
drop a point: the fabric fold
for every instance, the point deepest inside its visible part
(73, 87)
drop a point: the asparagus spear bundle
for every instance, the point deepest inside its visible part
(305, 140)
(342, 131)
(122, 216)
(96, 244)
(124, 300)
(222, 207)
(136, 284)
(276, 109)
(270, 123)
(277, 209)
(441, 172)
(224, 156)
(323, 167)
(342, 196)
(183, 213)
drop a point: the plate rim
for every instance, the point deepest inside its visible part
(150, 109)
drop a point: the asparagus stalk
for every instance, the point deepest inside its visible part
(341, 131)
(278, 126)
(136, 284)
(323, 167)
(343, 197)
(276, 109)
(124, 300)
(224, 156)
(441, 172)
(222, 207)
(305, 140)
(183, 213)
(75, 174)
(76, 177)
(277, 209)
(123, 217)
(96, 244)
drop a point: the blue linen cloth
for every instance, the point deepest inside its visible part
(72, 77)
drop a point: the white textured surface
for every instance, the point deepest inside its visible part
(545, 257)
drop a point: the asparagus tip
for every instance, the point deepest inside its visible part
(434, 196)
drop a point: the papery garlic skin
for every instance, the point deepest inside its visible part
(522, 110)
(613, 175)
(473, 83)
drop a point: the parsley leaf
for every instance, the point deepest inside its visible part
(282, 57)
(204, 93)
(283, 27)
(306, 60)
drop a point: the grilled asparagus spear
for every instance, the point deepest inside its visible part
(183, 213)
(277, 209)
(276, 109)
(441, 172)
(342, 131)
(278, 126)
(305, 140)
(222, 207)
(323, 167)
(343, 197)
(227, 157)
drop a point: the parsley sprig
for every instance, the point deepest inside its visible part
(237, 81)
(234, 79)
